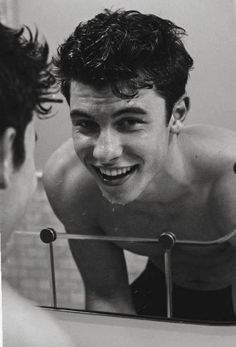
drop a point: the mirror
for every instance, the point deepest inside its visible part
(211, 42)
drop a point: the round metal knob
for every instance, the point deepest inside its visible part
(167, 240)
(48, 235)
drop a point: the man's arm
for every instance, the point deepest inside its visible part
(102, 265)
(103, 269)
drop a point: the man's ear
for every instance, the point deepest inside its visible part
(179, 114)
(6, 156)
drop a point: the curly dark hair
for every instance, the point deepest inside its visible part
(26, 81)
(126, 50)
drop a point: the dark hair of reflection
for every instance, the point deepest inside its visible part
(127, 51)
(26, 82)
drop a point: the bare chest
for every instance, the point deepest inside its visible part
(192, 266)
(190, 220)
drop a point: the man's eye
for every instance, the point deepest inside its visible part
(85, 125)
(130, 124)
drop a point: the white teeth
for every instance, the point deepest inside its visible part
(124, 170)
(114, 172)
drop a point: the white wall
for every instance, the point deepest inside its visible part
(211, 41)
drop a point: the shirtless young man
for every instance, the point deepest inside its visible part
(131, 169)
(25, 82)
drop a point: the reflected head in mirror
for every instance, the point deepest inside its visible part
(127, 51)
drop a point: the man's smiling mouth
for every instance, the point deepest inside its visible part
(115, 176)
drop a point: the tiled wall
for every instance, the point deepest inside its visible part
(27, 266)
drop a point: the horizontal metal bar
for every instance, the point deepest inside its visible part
(91, 237)
(220, 240)
(131, 239)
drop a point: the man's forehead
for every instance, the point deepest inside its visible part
(79, 90)
(85, 95)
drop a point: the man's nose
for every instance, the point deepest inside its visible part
(107, 147)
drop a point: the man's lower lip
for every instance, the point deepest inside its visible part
(117, 181)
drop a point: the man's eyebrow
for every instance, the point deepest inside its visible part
(130, 110)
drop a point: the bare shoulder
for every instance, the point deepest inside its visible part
(68, 184)
(215, 155)
(212, 149)
(209, 131)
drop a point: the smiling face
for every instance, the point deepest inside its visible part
(123, 143)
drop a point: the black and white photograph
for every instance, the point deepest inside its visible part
(118, 173)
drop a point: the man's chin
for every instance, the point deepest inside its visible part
(119, 198)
